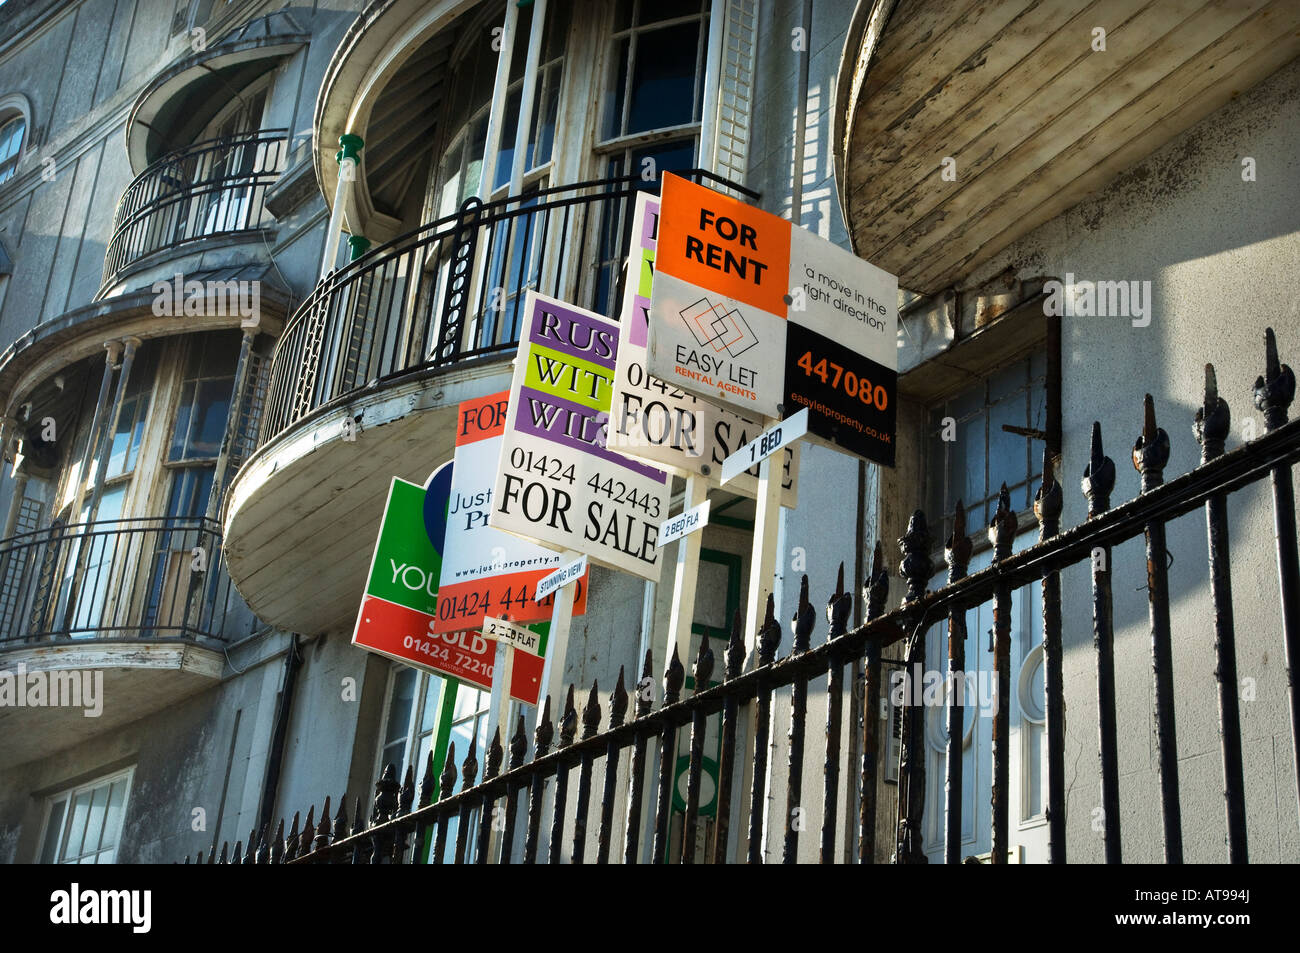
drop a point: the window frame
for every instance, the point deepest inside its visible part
(70, 794)
(621, 139)
(1035, 383)
(11, 114)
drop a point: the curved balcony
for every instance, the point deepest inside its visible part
(366, 377)
(452, 291)
(113, 579)
(212, 189)
(112, 621)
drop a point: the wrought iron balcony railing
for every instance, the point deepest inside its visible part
(212, 188)
(453, 290)
(153, 578)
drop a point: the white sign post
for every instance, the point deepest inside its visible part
(558, 640)
(688, 561)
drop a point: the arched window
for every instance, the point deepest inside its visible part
(12, 133)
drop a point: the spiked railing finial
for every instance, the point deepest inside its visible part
(591, 713)
(277, 843)
(1003, 525)
(1099, 475)
(875, 590)
(386, 787)
(645, 688)
(469, 768)
(702, 670)
(426, 781)
(568, 720)
(769, 635)
(447, 780)
(1049, 500)
(674, 677)
(839, 608)
(735, 655)
(495, 756)
(1213, 419)
(916, 566)
(407, 796)
(804, 619)
(1151, 451)
(544, 733)
(618, 701)
(322, 832)
(518, 744)
(1275, 390)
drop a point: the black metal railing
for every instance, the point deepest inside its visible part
(453, 290)
(497, 814)
(212, 188)
(158, 577)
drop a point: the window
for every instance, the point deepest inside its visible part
(204, 406)
(655, 82)
(12, 133)
(419, 718)
(461, 167)
(657, 68)
(412, 716)
(84, 825)
(124, 448)
(971, 453)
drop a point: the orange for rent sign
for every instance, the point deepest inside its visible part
(752, 313)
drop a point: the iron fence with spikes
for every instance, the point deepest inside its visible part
(400, 824)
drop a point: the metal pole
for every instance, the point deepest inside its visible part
(1048, 504)
(114, 349)
(232, 424)
(957, 554)
(1150, 454)
(101, 468)
(348, 158)
(1274, 392)
(1212, 422)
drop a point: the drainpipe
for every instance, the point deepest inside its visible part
(292, 663)
(348, 158)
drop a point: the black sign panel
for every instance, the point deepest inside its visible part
(852, 400)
